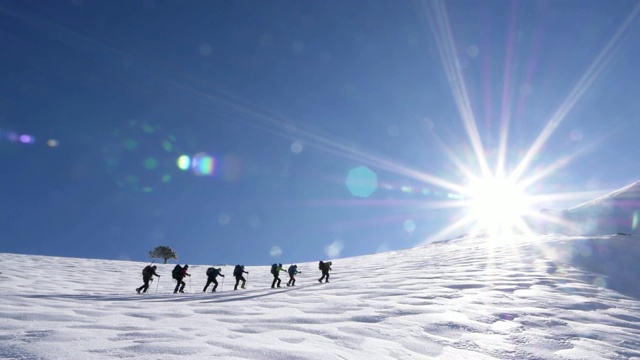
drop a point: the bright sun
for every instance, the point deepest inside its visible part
(497, 205)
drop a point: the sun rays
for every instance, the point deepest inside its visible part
(490, 185)
(495, 199)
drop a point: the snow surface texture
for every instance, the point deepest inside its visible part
(533, 298)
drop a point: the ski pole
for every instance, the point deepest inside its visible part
(158, 283)
(190, 285)
(222, 285)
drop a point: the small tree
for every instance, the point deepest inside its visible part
(163, 252)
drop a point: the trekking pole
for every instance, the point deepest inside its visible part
(190, 285)
(158, 283)
(222, 285)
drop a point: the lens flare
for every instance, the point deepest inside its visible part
(275, 251)
(202, 164)
(184, 162)
(409, 226)
(362, 181)
(27, 139)
(334, 249)
(139, 156)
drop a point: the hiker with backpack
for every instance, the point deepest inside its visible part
(178, 274)
(212, 273)
(147, 275)
(325, 267)
(275, 271)
(292, 270)
(237, 273)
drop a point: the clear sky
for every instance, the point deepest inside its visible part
(252, 132)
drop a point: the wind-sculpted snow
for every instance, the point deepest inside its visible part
(475, 298)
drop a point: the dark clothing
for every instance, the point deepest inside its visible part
(181, 284)
(276, 281)
(146, 278)
(276, 275)
(209, 281)
(212, 279)
(237, 273)
(293, 270)
(238, 279)
(325, 272)
(145, 286)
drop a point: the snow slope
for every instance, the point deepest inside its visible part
(616, 212)
(470, 298)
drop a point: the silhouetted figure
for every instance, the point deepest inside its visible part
(147, 275)
(292, 271)
(212, 273)
(237, 273)
(325, 267)
(179, 273)
(275, 271)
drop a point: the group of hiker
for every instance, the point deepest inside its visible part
(180, 272)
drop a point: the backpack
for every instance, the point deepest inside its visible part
(293, 269)
(146, 271)
(211, 271)
(237, 271)
(321, 265)
(274, 269)
(177, 272)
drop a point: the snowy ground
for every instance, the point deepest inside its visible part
(535, 298)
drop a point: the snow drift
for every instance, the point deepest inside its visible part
(549, 297)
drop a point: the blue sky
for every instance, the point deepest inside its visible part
(279, 101)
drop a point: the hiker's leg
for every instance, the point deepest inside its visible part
(215, 285)
(206, 286)
(237, 282)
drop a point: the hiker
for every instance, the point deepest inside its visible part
(275, 271)
(212, 273)
(237, 272)
(147, 275)
(325, 267)
(292, 270)
(179, 273)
